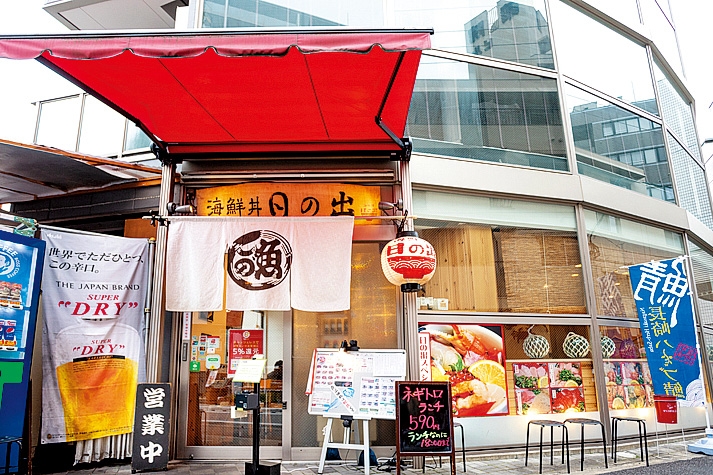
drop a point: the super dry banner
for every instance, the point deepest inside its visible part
(20, 269)
(94, 292)
(663, 301)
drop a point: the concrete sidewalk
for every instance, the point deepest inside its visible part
(666, 456)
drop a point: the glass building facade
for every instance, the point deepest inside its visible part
(511, 93)
(554, 146)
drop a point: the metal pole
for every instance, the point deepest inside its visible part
(149, 290)
(409, 298)
(155, 327)
(256, 431)
(696, 332)
(410, 316)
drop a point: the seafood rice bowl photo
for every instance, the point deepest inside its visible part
(471, 357)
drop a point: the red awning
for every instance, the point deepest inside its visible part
(245, 92)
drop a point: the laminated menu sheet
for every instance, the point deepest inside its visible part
(360, 383)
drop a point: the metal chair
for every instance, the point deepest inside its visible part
(643, 440)
(551, 425)
(458, 425)
(583, 421)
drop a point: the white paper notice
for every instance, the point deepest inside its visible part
(390, 364)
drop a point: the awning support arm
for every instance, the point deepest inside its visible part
(404, 144)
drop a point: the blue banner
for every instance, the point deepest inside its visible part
(663, 300)
(21, 260)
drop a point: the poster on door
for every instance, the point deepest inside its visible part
(243, 345)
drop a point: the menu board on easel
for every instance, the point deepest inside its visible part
(355, 383)
(424, 421)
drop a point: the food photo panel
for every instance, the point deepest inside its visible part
(616, 396)
(533, 401)
(567, 400)
(531, 375)
(565, 375)
(472, 358)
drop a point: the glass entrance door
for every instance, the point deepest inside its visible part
(211, 345)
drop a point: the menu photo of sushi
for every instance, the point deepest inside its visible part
(531, 375)
(616, 395)
(565, 375)
(533, 401)
(532, 388)
(566, 383)
(636, 379)
(567, 400)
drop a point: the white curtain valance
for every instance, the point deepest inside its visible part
(273, 264)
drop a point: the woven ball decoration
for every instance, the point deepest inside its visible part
(536, 346)
(608, 347)
(575, 346)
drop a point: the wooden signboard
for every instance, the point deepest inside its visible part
(424, 421)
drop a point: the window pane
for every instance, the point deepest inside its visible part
(59, 123)
(371, 321)
(598, 61)
(135, 138)
(523, 258)
(514, 31)
(258, 13)
(693, 195)
(625, 11)
(471, 111)
(677, 112)
(615, 244)
(213, 13)
(702, 263)
(102, 129)
(662, 32)
(600, 155)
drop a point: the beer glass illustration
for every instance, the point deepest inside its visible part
(97, 381)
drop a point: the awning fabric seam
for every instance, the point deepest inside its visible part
(235, 46)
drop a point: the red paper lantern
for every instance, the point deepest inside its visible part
(408, 261)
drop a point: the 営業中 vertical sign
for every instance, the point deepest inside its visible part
(151, 426)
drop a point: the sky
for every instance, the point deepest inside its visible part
(24, 82)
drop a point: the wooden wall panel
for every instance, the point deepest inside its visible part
(465, 272)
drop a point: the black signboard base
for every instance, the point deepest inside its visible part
(264, 468)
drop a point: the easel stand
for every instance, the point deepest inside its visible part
(345, 444)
